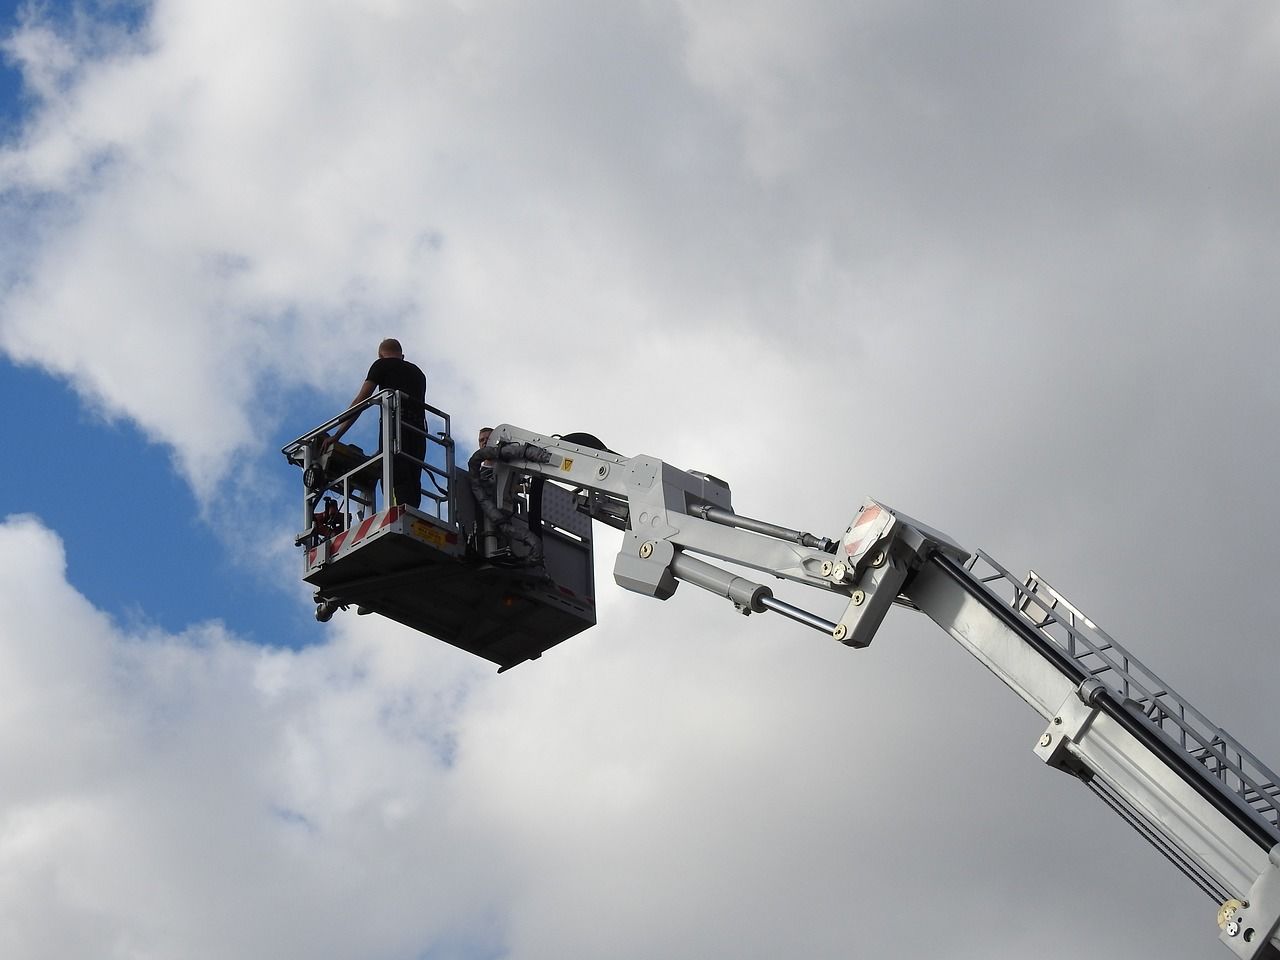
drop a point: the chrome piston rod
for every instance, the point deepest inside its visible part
(800, 616)
(730, 519)
(746, 594)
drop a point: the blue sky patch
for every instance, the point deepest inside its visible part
(134, 537)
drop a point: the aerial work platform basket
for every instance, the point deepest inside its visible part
(439, 568)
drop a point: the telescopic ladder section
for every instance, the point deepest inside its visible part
(1102, 657)
(1194, 792)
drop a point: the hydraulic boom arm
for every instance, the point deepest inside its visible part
(1204, 801)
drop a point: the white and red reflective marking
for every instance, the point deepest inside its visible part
(867, 529)
(353, 535)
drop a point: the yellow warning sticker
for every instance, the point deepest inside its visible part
(567, 465)
(424, 531)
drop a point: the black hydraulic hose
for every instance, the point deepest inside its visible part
(484, 500)
(536, 483)
(1189, 772)
(501, 519)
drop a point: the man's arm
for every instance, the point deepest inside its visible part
(366, 391)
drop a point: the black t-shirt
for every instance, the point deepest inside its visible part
(397, 374)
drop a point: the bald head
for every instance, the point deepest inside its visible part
(390, 347)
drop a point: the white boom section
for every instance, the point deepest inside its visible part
(1226, 846)
(1206, 804)
(674, 513)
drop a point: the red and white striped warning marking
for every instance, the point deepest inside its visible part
(866, 530)
(351, 536)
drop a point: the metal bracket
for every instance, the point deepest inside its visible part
(1248, 928)
(644, 566)
(870, 601)
(1067, 726)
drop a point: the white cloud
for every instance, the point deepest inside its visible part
(195, 795)
(682, 790)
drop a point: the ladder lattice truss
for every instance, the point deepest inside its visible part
(1101, 657)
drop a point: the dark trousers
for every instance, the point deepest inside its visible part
(406, 474)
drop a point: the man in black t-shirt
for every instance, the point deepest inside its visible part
(392, 371)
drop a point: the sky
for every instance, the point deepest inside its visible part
(1008, 267)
